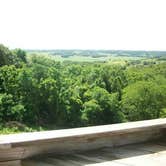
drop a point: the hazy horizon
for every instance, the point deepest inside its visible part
(72, 49)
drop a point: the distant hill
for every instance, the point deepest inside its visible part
(103, 53)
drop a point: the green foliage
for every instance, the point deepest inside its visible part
(20, 55)
(15, 127)
(144, 100)
(6, 56)
(92, 112)
(42, 92)
(10, 109)
(101, 107)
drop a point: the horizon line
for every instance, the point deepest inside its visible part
(72, 49)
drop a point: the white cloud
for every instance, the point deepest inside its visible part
(83, 24)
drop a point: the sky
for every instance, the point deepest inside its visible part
(83, 24)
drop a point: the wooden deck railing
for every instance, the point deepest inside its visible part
(16, 147)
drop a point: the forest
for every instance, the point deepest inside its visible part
(39, 93)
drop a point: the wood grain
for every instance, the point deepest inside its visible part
(21, 146)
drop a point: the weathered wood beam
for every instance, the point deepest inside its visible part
(20, 146)
(11, 163)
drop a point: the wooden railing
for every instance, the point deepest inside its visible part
(16, 147)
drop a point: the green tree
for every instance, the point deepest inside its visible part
(143, 100)
(6, 56)
(10, 110)
(21, 54)
(107, 107)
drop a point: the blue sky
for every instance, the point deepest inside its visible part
(83, 24)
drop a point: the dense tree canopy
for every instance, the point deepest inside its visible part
(5, 56)
(41, 91)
